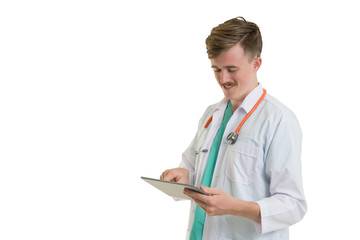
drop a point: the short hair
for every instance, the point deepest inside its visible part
(231, 32)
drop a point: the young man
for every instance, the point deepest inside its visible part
(247, 151)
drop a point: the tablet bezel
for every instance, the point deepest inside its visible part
(173, 189)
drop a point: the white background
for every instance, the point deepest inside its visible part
(95, 94)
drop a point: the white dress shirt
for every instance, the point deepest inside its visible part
(263, 166)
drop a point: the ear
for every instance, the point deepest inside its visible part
(257, 63)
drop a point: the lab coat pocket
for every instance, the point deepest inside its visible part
(241, 163)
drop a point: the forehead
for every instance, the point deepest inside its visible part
(234, 56)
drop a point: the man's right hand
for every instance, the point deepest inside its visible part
(180, 175)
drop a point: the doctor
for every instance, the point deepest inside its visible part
(246, 152)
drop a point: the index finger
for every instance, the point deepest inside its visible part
(167, 175)
(163, 174)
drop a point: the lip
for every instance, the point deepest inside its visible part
(228, 86)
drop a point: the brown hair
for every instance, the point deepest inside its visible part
(231, 32)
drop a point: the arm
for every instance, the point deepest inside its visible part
(188, 157)
(286, 204)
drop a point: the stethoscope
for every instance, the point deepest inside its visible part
(233, 136)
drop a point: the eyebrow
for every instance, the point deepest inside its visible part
(231, 66)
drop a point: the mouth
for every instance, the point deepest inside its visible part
(228, 85)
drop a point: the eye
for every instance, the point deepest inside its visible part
(230, 70)
(217, 70)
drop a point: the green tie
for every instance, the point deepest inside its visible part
(199, 218)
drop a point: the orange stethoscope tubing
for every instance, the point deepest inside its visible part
(246, 117)
(208, 122)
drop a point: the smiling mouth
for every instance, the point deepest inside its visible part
(228, 85)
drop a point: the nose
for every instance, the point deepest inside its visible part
(224, 76)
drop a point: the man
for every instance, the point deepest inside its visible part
(251, 170)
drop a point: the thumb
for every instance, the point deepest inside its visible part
(212, 191)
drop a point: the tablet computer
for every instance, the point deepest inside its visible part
(173, 189)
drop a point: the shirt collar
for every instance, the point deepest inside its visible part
(248, 103)
(222, 105)
(252, 98)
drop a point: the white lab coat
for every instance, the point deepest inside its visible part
(263, 166)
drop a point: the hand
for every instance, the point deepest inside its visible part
(180, 175)
(219, 203)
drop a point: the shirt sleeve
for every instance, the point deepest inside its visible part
(286, 204)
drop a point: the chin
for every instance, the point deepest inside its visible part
(229, 96)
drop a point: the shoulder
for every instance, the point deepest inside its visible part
(273, 107)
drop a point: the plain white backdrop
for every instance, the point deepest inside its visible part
(95, 94)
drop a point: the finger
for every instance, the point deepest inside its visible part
(169, 175)
(162, 175)
(200, 202)
(202, 205)
(212, 191)
(195, 195)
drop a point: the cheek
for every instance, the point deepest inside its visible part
(241, 78)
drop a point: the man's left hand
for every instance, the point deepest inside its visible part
(219, 203)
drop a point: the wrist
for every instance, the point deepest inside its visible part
(237, 208)
(250, 210)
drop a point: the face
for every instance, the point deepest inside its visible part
(235, 74)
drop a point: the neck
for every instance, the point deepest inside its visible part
(237, 103)
(234, 107)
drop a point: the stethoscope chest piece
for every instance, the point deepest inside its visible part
(232, 137)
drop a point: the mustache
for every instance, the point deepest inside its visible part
(228, 84)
